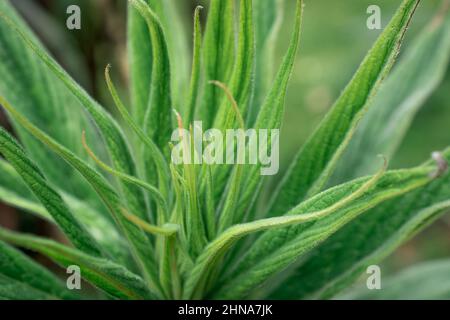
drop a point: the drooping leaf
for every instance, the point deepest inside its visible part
(317, 159)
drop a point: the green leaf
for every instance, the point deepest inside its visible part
(271, 113)
(104, 274)
(241, 81)
(38, 94)
(275, 250)
(268, 15)
(140, 54)
(424, 281)
(415, 78)
(52, 201)
(17, 266)
(14, 192)
(316, 160)
(14, 290)
(139, 243)
(113, 135)
(218, 56)
(158, 117)
(217, 248)
(194, 88)
(366, 241)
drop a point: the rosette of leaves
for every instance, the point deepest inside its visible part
(140, 227)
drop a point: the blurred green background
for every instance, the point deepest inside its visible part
(335, 40)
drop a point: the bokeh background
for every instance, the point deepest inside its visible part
(335, 40)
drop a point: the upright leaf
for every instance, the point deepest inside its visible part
(415, 78)
(317, 159)
(268, 15)
(157, 118)
(140, 54)
(218, 56)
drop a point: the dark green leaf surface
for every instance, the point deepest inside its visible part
(106, 275)
(15, 265)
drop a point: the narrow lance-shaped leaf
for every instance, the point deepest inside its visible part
(139, 243)
(240, 84)
(53, 202)
(415, 78)
(276, 250)
(317, 159)
(37, 93)
(16, 265)
(104, 274)
(141, 58)
(113, 135)
(194, 88)
(218, 56)
(158, 118)
(271, 113)
(14, 192)
(268, 15)
(387, 226)
(241, 81)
